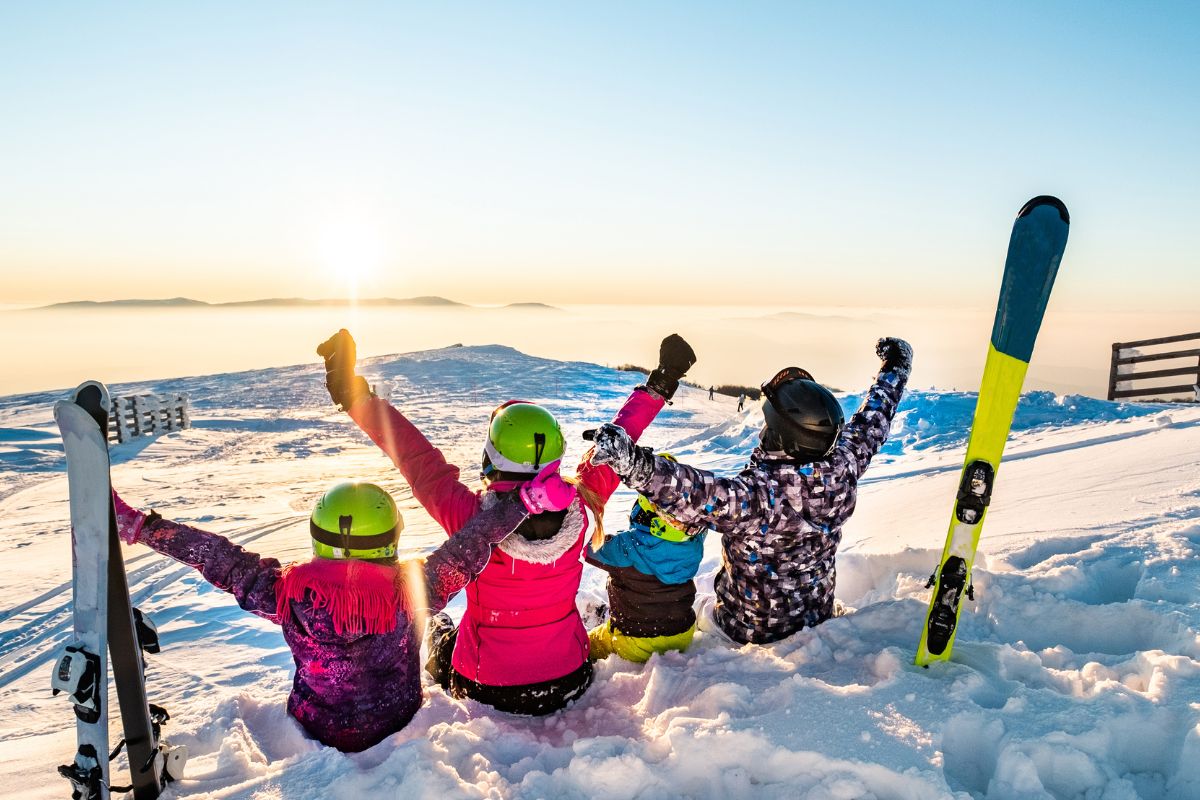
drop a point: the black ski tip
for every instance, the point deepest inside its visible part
(1045, 200)
(93, 397)
(90, 396)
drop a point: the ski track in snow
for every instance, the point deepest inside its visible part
(1076, 671)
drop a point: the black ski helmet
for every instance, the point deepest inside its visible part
(803, 418)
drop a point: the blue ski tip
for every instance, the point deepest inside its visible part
(1045, 200)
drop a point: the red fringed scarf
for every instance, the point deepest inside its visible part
(361, 597)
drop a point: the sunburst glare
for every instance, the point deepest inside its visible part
(351, 253)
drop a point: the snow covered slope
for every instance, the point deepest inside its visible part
(1076, 672)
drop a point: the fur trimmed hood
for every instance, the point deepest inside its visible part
(545, 551)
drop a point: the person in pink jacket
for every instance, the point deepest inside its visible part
(521, 646)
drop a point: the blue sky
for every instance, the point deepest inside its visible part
(782, 153)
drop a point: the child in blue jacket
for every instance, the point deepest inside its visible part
(651, 588)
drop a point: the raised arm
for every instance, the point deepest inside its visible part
(247, 576)
(695, 497)
(675, 358)
(640, 409)
(434, 482)
(460, 560)
(868, 429)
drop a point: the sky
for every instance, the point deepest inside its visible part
(865, 154)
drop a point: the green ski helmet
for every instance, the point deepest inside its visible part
(645, 516)
(355, 520)
(523, 437)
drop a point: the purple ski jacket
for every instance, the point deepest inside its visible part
(352, 626)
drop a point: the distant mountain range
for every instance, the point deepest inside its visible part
(282, 302)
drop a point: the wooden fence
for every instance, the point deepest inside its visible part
(1183, 362)
(147, 415)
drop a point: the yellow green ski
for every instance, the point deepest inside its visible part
(1039, 237)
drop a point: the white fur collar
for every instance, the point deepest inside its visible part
(547, 551)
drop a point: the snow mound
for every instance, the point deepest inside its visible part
(943, 419)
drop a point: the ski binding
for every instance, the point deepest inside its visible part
(975, 492)
(944, 617)
(76, 672)
(85, 774)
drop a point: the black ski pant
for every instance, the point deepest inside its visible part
(531, 699)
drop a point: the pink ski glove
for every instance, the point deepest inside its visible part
(548, 491)
(129, 520)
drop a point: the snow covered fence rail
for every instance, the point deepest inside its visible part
(1127, 355)
(148, 415)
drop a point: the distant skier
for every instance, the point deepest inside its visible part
(352, 614)
(521, 647)
(741, 402)
(651, 567)
(781, 518)
(711, 389)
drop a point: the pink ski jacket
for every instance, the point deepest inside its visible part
(521, 625)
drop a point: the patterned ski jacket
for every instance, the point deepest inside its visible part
(354, 627)
(780, 521)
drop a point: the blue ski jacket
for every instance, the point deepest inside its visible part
(669, 562)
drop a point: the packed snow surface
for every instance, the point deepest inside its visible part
(1076, 672)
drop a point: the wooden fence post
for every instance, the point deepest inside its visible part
(1126, 357)
(1112, 371)
(144, 414)
(139, 415)
(124, 434)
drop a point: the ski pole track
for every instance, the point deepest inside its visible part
(149, 555)
(17, 660)
(16, 482)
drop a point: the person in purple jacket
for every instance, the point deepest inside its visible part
(353, 614)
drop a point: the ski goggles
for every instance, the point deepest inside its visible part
(785, 376)
(508, 404)
(347, 541)
(645, 517)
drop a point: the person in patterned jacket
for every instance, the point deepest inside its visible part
(781, 517)
(352, 616)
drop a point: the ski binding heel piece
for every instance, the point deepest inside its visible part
(85, 774)
(975, 492)
(943, 618)
(77, 672)
(174, 758)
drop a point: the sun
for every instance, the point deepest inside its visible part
(351, 252)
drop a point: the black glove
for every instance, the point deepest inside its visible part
(675, 358)
(340, 354)
(613, 447)
(896, 354)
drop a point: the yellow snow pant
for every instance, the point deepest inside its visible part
(606, 640)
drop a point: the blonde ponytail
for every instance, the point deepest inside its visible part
(595, 505)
